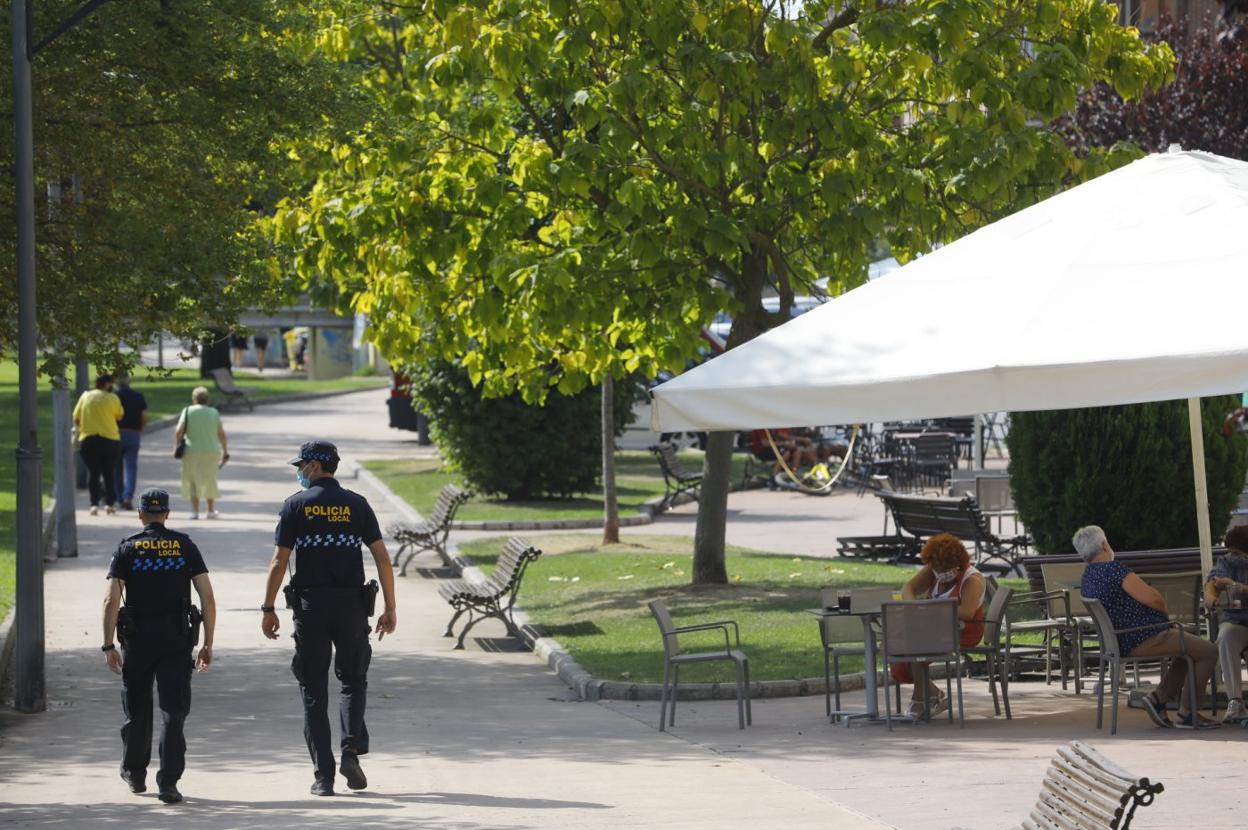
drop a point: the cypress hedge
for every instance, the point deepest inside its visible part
(1125, 468)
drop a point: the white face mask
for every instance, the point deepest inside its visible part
(944, 576)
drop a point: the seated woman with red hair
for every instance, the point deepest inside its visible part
(946, 573)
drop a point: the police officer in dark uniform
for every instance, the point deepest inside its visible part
(325, 525)
(158, 628)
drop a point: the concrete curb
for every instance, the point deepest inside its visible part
(296, 397)
(8, 628)
(8, 644)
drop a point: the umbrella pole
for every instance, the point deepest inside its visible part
(977, 442)
(1202, 488)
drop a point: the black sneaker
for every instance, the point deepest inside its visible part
(320, 787)
(127, 505)
(169, 794)
(1156, 711)
(136, 783)
(350, 769)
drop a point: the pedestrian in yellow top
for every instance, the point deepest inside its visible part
(96, 415)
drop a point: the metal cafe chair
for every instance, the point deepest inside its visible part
(674, 658)
(922, 631)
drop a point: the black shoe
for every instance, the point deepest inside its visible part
(127, 505)
(170, 794)
(134, 782)
(351, 771)
(320, 787)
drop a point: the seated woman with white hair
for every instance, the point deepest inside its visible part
(1133, 604)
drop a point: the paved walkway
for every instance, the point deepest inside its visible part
(487, 737)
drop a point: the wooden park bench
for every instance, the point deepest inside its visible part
(431, 534)
(1084, 789)
(918, 518)
(677, 478)
(1143, 562)
(224, 381)
(494, 597)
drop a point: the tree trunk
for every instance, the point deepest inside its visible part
(709, 567)
(610, 505)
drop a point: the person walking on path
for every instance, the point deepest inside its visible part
(95, 416)
(325, 525)
(133, 422)
(261, 344)
(205, 453)
(158, 628)
(238, 350)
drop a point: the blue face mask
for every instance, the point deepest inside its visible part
(302, 478)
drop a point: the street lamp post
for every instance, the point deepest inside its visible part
(29, 692)
(29, 688)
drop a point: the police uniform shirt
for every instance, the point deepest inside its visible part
(157, 566)
(325, 525)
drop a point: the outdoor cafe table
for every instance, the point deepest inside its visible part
(872, 712)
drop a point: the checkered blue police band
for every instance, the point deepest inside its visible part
(312, 455)
(152, 564)
(329, 540)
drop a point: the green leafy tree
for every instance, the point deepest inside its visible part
(567, 189)
(1125, 468)
(168, 123)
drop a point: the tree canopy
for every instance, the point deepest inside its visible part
(568, 188)
(1204, 108)
(168, 121)
(557, 190)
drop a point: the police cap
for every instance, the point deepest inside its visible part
(315, 451)
(154, 500)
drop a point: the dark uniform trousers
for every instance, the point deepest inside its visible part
(326, 617)
(155, 653)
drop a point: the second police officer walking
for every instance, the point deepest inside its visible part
(325, 524)
(158, 627)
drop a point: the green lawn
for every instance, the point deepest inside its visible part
(593, 600)
(165, 396)
(638, 479)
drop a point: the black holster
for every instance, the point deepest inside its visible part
(292, 595)
(368, 595)
(126, 628)
(193, 620)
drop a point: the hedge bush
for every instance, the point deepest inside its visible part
(505, 446)
(1125, 468)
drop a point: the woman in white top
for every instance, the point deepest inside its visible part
(946, 573)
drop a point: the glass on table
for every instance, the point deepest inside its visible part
(842, 601)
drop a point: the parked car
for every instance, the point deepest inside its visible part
(721, 326)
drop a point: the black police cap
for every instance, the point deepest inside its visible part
(154, 500)
(315, 451)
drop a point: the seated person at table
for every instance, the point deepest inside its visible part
(824, 449)
(1229, 580)
(946, 574)
(797, 451)
(1138, 612)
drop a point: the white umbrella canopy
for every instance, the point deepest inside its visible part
(1121, 290)
(1124, 289)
